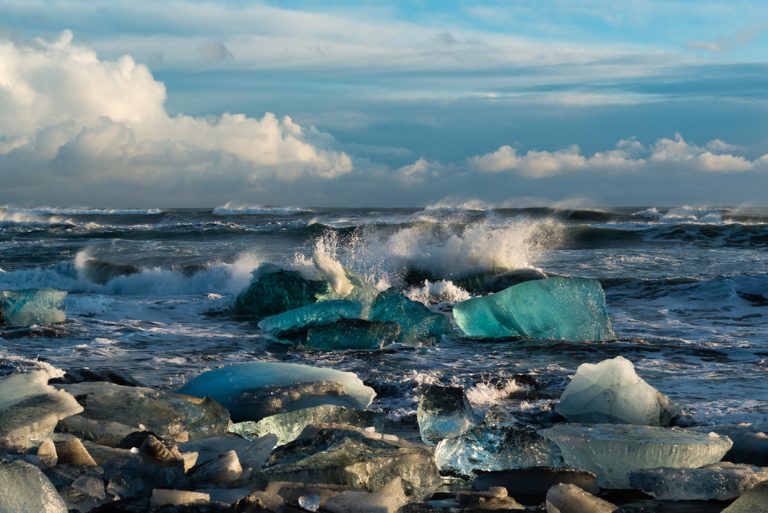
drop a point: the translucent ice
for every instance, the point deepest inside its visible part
(754, 501)
(496, 448)
(569, 498)
(24, 489)
(273, 291)
(251, 390)
(352, 334)
(297, 321)
(32, 306)
(553, 308)
(444, 412)
(612, 451)
(418, 324)
(611, 392)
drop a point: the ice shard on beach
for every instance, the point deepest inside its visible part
(352, 334)
(32, 306)
(611, 392)
(613, 451)
(552, 308)
(275, 290)
(296, 322)
(444, 412)
(24, 489)
(418, 324)
(252, 391)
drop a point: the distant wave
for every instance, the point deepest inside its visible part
(230, 209)
(79, 211)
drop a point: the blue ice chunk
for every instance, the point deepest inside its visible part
(444, 412)
(418, 324)
(252, 391)
(274, 290)
(554, 309)
(298, 320)
(352, 334)
(32, 306)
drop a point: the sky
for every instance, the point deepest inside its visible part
(384, 104)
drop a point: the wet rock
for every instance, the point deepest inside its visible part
(156, 452)
(356, 334)
(347, 456)
(162, 497)
(26, 490)
(493, 499)
(753, 501)
(288, 426)
(251, 453)
(72, 452)
(112, 412)
(274, 291)
(611, 392)
(85, 374)
(252, 391)
(418, 324)
(443, 412)
(568, 498)
(535, 481)
(719, 481)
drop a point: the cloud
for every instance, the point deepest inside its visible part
(215, 51)
(68, 116)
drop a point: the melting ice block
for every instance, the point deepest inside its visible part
(611, 392)
(418, 324)
(252, 391)
(297, 321)
(720, 481)
(24, 489)
(273, 291)
(32, 306)
(352, 334)
(569, 498)
(553, 308)
(613, 451)
(444, 412)
(496, 448)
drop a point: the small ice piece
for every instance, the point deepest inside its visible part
(310, 502)
(32, 306)
(719, 481)
(244, 388)
(352, 334)
(553, 308)
(612, 451)
(297, 321)
(274, 290)
(569, 498)
(444, 412)
(610, 392)
(753, 501)
(23, 488)
(418, 324)
(496, 448)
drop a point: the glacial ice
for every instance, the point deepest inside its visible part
(719, 481)
(24, 489)
(352, 334)
(289, 425)
(252, 391)
(496, 447)
(569, 498)
(444, 412)
(295, 322)
(753, 501)
(552, 308)
(610, 392)
(30, 408)
(32, 306)
(418, 324)
(274, 290)
(612, 451)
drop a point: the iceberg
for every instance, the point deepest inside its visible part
(252, 391)
(418, 324)
(552, 308)
(352, 334)
(24, 489)
(444, 412)
(32, 306)
(613, 451)
(295, 323)
(610, 392)
(719, 481)
(496, 448)
(289, 425)
(273, 291)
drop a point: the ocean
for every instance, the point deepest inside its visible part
(150, 291)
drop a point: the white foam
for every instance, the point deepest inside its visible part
(484, 394)
(437, 292)
(230, 208)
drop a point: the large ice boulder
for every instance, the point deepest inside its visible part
(30, 408)
(610, 392)
(32, 306)
(418, 324)
(295, 323)
(24, 489)
(553, 308)
(274, 290)
(613, 451)
(352, 334)
(719, 481)
(252, 391)
(444, 412)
